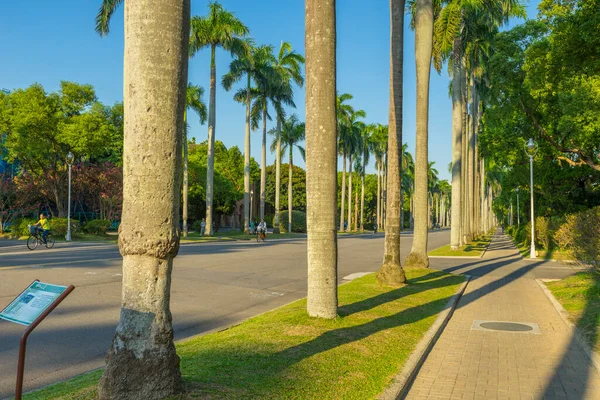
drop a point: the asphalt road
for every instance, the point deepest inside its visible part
(214, 285)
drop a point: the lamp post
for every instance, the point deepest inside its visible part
(251, 201)
(70, 158)
(531, 150)
(518, 218)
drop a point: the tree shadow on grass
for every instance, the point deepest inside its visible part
(572, 376)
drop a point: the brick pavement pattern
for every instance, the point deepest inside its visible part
(478, 364)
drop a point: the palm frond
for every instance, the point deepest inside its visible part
(105, 12)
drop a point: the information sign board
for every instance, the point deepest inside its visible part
(31, 303)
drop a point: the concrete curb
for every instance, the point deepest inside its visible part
(564, 314)
(401, 382)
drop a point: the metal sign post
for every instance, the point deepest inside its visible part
(30, 308)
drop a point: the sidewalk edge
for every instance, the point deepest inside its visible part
(564, 315)
(401, 382)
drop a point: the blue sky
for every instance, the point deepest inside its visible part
(49, 41)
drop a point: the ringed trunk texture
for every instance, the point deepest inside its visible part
(263, 166)
(391, 272)
(350, 194)
(290, 188)
(278, 176)
(247, 163)
(185, 178)
(343, 197)
(210, 168)
(423, 47)
(321, 157)
(141, 362)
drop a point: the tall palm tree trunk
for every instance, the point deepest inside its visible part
(362, 200)
(290, 188)
(210, 168)
(391, 272)
(401, 207)
(247, 163)
(378, 216)
(471, 171)
(321, 158)
(263, 161)
(350, 194)
(423, 47)
(154, 80)
(278, 176)
(356, 210)
(384, 191)
(343, 196)
(185, 176)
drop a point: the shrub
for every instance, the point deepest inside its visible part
(581, 234)
(58, 226)
(19, 227)
(97, 227)
(298, 221)
(543, 232)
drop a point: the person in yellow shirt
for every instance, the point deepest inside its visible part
(44, 225)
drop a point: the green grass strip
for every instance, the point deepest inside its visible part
(474, 249)
(284, 354)
(579, 294)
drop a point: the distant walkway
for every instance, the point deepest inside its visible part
(468, 363)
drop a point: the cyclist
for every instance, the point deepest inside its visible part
(262, 228)
(43, 226)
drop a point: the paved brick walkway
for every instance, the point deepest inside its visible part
(478, 364)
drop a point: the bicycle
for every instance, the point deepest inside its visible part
(35, 239)
(261, 235)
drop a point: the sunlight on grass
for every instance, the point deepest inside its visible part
(286, 354)
(580, 296)
(474, 249)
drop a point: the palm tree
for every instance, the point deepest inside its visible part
(289, 67)
(391, 272)
(149, 231)
(290, 136)
(254, 63)
(277, 89)
(343, 112)
(379, 145)
(407, 181)
(193, 101)
(220, 28)
(321, 159)
(432, 187)
(351, 147)
(366, 144)
(423, 48)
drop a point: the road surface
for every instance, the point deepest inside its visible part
(214, 285)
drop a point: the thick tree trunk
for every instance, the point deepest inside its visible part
(350, 193)
(321, 157)
(423, 47)
(263, 166)
(185, 176)
(384, 191)
(278, 176)
(142, 362)
(290, 188)
(401, 207)
(210, 168)
(471, 171)
(343, 196)
(247, 162)
(391, 272)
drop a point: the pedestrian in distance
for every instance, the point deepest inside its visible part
(202, 227)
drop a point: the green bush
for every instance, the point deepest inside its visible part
(19, 227)
(581, 234)
(543, 232)
(298, 221)
(270, 220)
(58, 226)
(96, 227)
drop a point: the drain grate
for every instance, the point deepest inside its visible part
(506, 326)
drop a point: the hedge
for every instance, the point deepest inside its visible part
(298, 221)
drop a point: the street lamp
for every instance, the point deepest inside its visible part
(518, 218)
(251, 200)
(531, 148)
(70, 158)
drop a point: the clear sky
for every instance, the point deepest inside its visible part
(48, 41)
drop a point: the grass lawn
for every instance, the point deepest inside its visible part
(474, 249)
(238, 235)
(284, 354)
(552, 254)
(580, 296)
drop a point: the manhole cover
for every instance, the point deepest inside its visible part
(507, 326)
